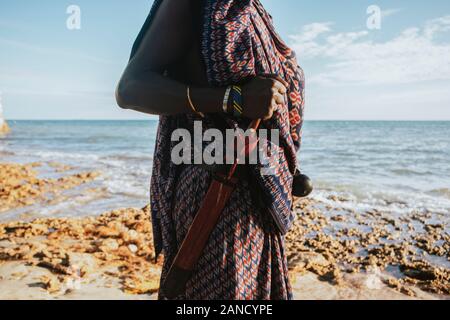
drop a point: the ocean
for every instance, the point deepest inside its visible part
(398, 167)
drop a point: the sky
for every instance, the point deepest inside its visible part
(399, 71)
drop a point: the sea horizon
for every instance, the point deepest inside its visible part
(395, 166)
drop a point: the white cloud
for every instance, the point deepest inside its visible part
(312, 31)
(389, 12)
(415, 55)
(438, 25)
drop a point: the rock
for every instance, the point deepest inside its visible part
(307, 260)
(109, 245)
(133, 248)
(124, 252)
(106, 232)
(419, 274)
(50, 284)
(142, 284)
(20, 185)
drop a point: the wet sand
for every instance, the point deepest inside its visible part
(333, 253)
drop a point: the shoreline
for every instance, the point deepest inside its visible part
(332, 253)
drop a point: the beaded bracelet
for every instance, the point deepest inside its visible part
(226, 99)
(233, 102)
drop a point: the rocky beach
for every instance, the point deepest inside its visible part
(333, 253)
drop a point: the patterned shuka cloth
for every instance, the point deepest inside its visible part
(244, 258)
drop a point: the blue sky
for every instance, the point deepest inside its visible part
(401, 71)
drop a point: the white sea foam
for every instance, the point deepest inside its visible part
(394, 201)
(382, 165)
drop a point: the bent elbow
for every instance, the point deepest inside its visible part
(122, 95)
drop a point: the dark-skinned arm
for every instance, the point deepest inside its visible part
(144, 88)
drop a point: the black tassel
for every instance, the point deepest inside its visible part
(302, 185)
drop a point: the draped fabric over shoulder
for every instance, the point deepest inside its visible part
(244, 258)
